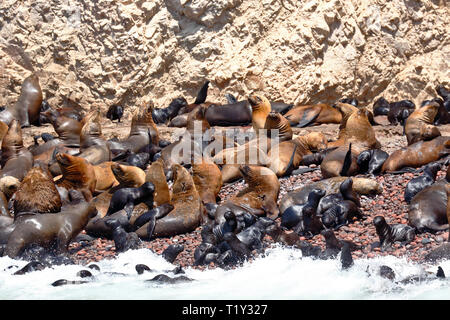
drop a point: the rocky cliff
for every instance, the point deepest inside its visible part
(95, 53)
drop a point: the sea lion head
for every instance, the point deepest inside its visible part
(9, 185)
(129, 176)
(316, 141)
(259, 102)
(148, 187)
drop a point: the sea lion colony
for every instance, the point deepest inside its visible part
(140, 191)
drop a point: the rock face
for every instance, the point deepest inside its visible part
(96, 53)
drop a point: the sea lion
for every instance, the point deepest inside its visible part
(428, 209)
(15, 160)
(260, 109)
(115, 112)
(282, 236)
(381, 107)
(149, 217)
(187, 213)
(77, 173)
(417, 184)
(419, 125)
(340, 162)
(9, 185)
(207, 179)
(26, 110)
(67, 129)
(3, 131)
(140, 160)
(162, 115)
(341, 214)
(399, 111)
(128, 198)
(105, 178)
(171, 252)
(155, 174)
(37, 193)
(98, 228)
(345, 192)
(388, 234)
(371, 161)
(262, 190)
(233, 114)
(417, 154)
(93, 146)
(311, 115)
(331, 185)
(128, 176)
(123, 240)
(281, 107)
(48, 229)
(275, 121)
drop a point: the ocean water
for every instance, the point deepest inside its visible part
(281, 274)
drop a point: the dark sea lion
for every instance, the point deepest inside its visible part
(341, 214)
(208, 179)
(77, 174)
(371, 161)
(16, 160)
(260, 109)
(443, 115)
(381, 107)
(396, 113)
(172, 251)
(123, 240)
(162, 115)
(345, 192)
(26, 110)
(200, 100)
(428, 209)
(238, 247)
(140, 160)
(346, 256)
(162, 278)
(48, 229)
(281, 107)
(275, 121)
(261, 192)
(310, 115)
(234, 114)
(151, 216)
(4, 210)
(155, 174)
(282, 236)
(419, 125)
(187, 213)
(331, 185)
(97, 227)
(417, 154)
(37, 193)
(418, 184)
(389, 234)
(127, 198)
(115, 112)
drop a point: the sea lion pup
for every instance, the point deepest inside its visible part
(50, 230)
(260, 109)
(419, 125)
(282, 236)
(371, 161)
(207, 179)
(381, 107)
(417, 154)
(172, 251)
(128, 198)
(115, 112)
(128, 176)
(105, 176)
(331, 185)
(275, 121)
(15, 160)
(345, 192)
(262, 190)
(123, 240)
(428, 209)
(289, 154)
(388, 234)
(26, 110)
(37, 193)
(341, 214)
(155, 174)
(311, 115)
(162, 115)
(187, 212)
(417, 184)
(77, 173)
(93, 146)
(399, 111)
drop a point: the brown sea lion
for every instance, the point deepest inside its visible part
(37, 193)
(428, 209)
(105, 178)
(262, 190)
(275, 121)
(346, 111)
(77, 173)
(419, 125)
(331, 185)
(311, 115)
(16, 160)
(155, 174)
(93, 146)
(281, 161)
(417, 154)
(128, 176)
(260, 109)
(4, 211)
(207, 179)
(334, 163)
(3, 130)
(187, 212)
(49, 230)
(9, 185)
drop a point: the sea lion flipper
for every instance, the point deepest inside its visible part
(309, 116)
(151, 227)
(201, 95)
(230, 98)
(290, 166)
(347, 162)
